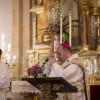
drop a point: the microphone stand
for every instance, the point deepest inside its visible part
(35, 76)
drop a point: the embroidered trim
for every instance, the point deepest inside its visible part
(79, 62)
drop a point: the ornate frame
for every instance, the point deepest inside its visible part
(41, 53)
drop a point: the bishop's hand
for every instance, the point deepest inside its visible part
(52, 60)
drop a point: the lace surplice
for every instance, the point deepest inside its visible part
(4, 80)
(4, 76)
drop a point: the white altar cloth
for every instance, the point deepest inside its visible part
(23, 87)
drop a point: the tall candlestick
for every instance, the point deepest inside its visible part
(3, 38)
(3, 43)
(60, 29)
(55, 42)
(9, 47)
(14, 58)
(53, 15)
(8, 58)
(70, 30)
(3, 46)
(34, 36)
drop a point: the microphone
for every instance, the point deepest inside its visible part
(46, 60)
(35, 76)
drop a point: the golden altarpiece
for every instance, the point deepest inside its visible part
(89, 11)
(89, 30)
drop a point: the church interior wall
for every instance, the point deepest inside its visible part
(17, 23)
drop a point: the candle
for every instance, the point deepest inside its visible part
(3, 38)
(8, 58)
(3, 43)
(3, 46)
(60, 29)
(53, 14)
(14, 58)
(55, 42)
(9, 47)
(70, 30)
(34, 36)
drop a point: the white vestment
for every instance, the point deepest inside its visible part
(73, 74)
(4, 80)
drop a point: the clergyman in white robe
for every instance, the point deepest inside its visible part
(4, 80)
(71, 73)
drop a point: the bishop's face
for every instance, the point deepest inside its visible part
(61, 54)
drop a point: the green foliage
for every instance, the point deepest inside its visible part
(54, 21)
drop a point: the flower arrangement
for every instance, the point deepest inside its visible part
(54, 18)
(54, 22)
(55, 29)
(34, 69)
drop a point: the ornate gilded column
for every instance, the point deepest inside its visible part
(89, 35)
(84, 11)
(94, 8)
(98, 32)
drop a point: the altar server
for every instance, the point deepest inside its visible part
(4, 79)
